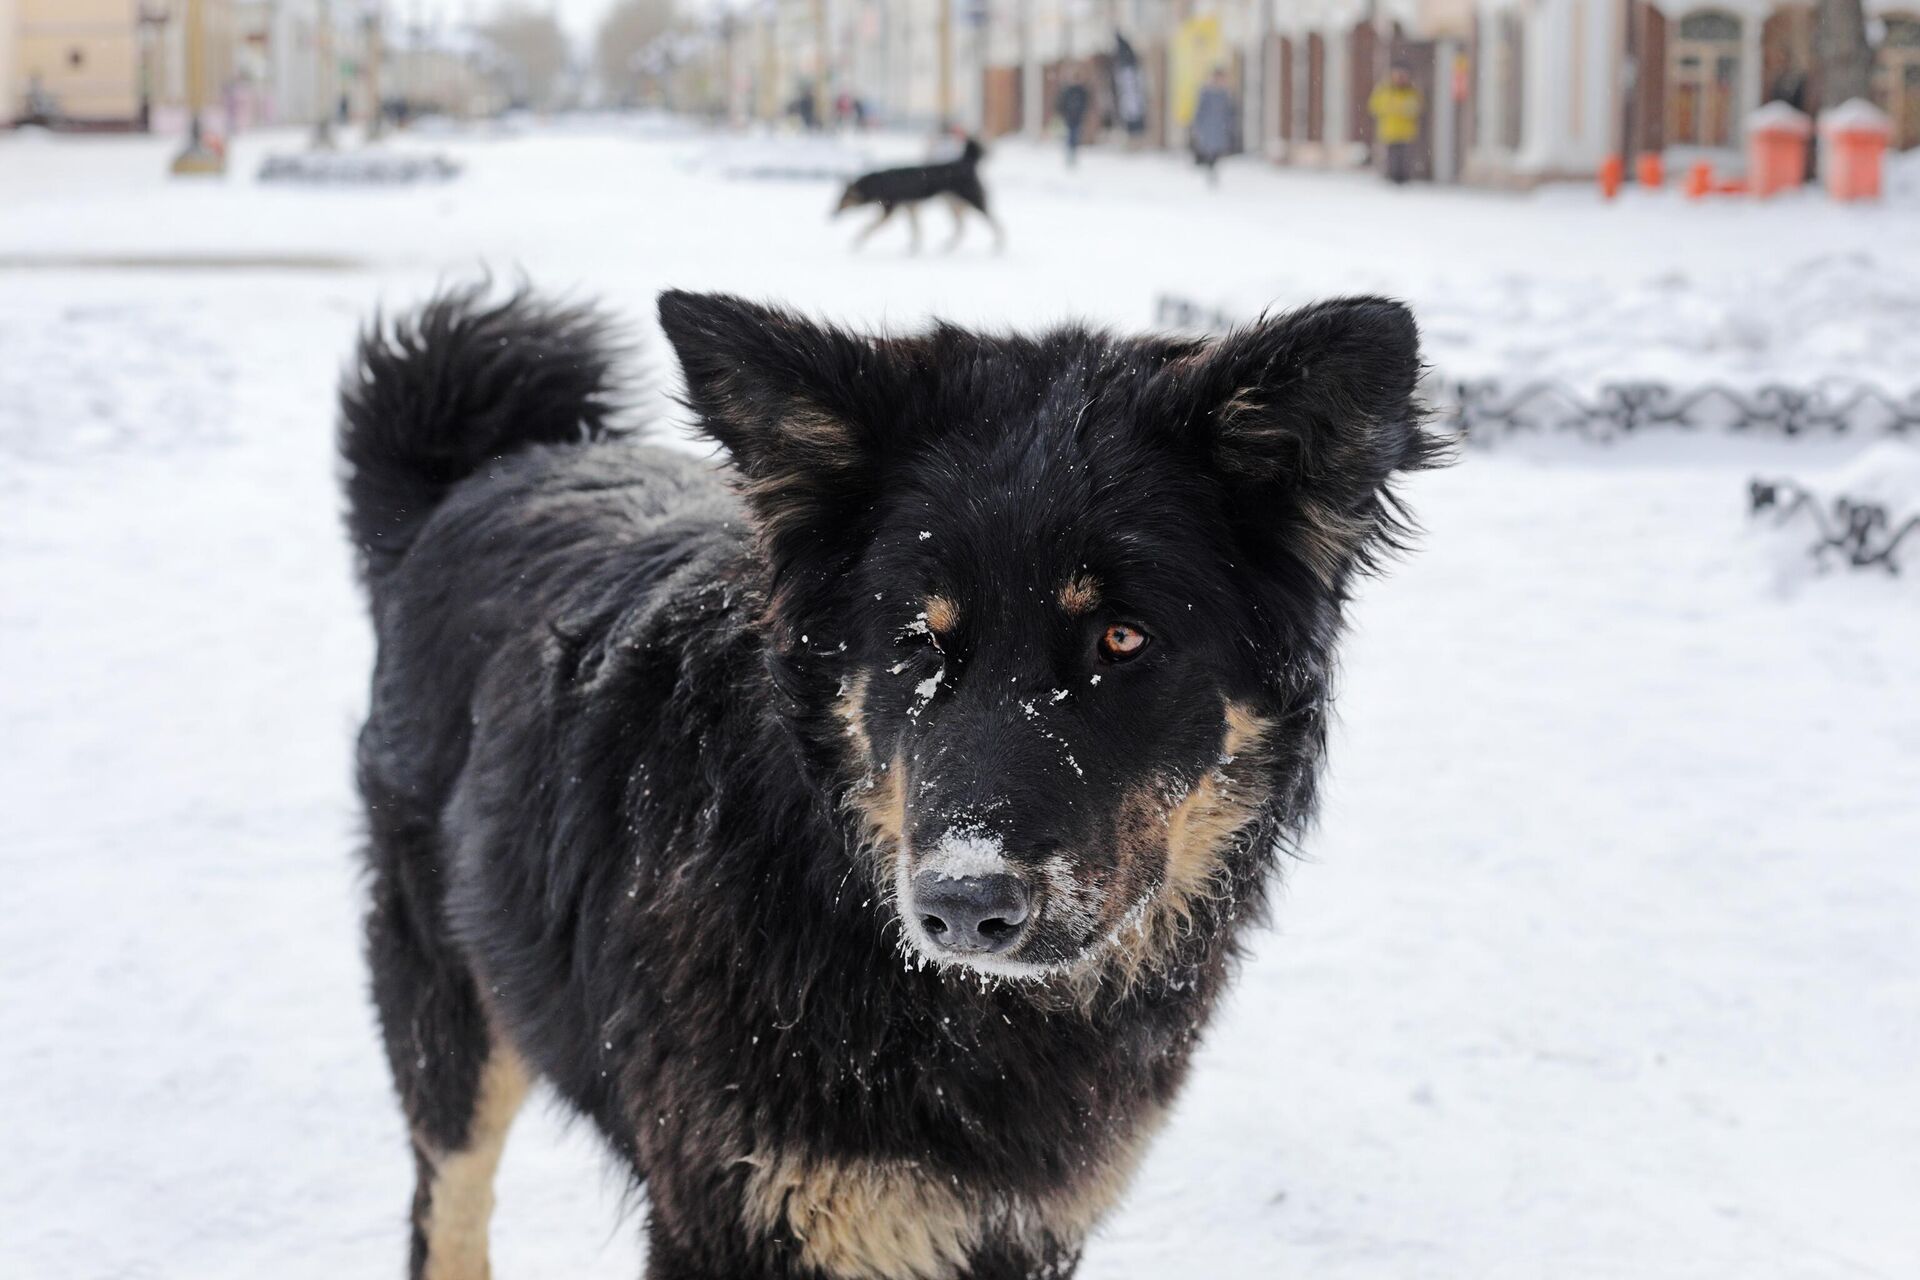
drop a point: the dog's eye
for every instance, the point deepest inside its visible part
(1122, 642)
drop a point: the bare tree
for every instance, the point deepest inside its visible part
(1846, 59)
(624, 36)
(532, 48)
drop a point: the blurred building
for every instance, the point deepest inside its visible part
(1513, 91)
(442, 72)
(121, 64)
(1560, 84)
(84, 61)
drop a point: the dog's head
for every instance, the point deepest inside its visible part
(851, 198)
(1057, 612)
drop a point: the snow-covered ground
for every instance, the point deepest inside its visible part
(1605, 961)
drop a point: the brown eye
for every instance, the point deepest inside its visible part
(1122, 642)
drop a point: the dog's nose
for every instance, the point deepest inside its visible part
(971, 914)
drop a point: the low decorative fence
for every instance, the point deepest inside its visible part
(358, 168)
(1613, 411)
(1485, 410)
(1855, 532)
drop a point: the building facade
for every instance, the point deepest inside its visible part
(1514, 91)
(122, 64)
(78, 60)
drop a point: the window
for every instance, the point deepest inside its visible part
(1896, 78)
(1703, 80)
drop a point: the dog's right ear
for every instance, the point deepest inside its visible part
(801, 408)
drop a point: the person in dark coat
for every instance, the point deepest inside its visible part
(1211, 133)
(1074, 100)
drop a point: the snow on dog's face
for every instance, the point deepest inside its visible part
(1056, 613)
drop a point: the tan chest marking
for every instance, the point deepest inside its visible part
(894, 1221)
(882, 1221)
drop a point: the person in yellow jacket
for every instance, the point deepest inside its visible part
(1395, 107)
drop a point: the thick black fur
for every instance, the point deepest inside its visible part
(910, 186)
(622, 825)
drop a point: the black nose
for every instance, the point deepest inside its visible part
(970, 913)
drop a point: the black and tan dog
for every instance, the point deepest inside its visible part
(957, 181)
(860, 835)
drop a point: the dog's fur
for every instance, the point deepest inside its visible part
(655, 751)
(908, 187)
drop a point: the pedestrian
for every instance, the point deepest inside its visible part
(1211, 133)
(1395, 107)
(1072, 104)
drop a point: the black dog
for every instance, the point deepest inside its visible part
(912, 185)
(859, 836)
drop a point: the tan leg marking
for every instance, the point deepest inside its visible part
(882, 1221)
(461, 1201)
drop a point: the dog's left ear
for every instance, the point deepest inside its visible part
(803, 410)
(1307, 417)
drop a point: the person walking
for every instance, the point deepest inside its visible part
(1395, 107)
(1072, 104)
(1211, 133)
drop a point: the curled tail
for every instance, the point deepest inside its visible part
(431, 398)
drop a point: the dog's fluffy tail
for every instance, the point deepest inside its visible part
(432, 397)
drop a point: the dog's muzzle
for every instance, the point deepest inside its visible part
(970, 915)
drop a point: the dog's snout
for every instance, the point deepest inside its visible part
(971, 914)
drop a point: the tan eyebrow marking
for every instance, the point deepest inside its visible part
(1080, 594)
(942, 614)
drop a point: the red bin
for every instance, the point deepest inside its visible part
(1856, 136)
(1777, 137)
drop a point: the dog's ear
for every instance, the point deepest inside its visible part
(1306, 417)
(803, 409)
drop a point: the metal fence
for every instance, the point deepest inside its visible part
(1487, 410)
(1858, 533)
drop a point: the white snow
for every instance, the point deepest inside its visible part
(1605, 957)
(1855, 115)
(966, 852)
(1780, 117)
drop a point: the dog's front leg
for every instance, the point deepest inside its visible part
(959, 211)
(886, 211)
(913, 225)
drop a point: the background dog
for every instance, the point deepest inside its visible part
(908, 187)
(859, 838)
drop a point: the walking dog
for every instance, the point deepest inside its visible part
(957, 181)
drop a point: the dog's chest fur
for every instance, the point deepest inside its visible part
(736, 1012)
